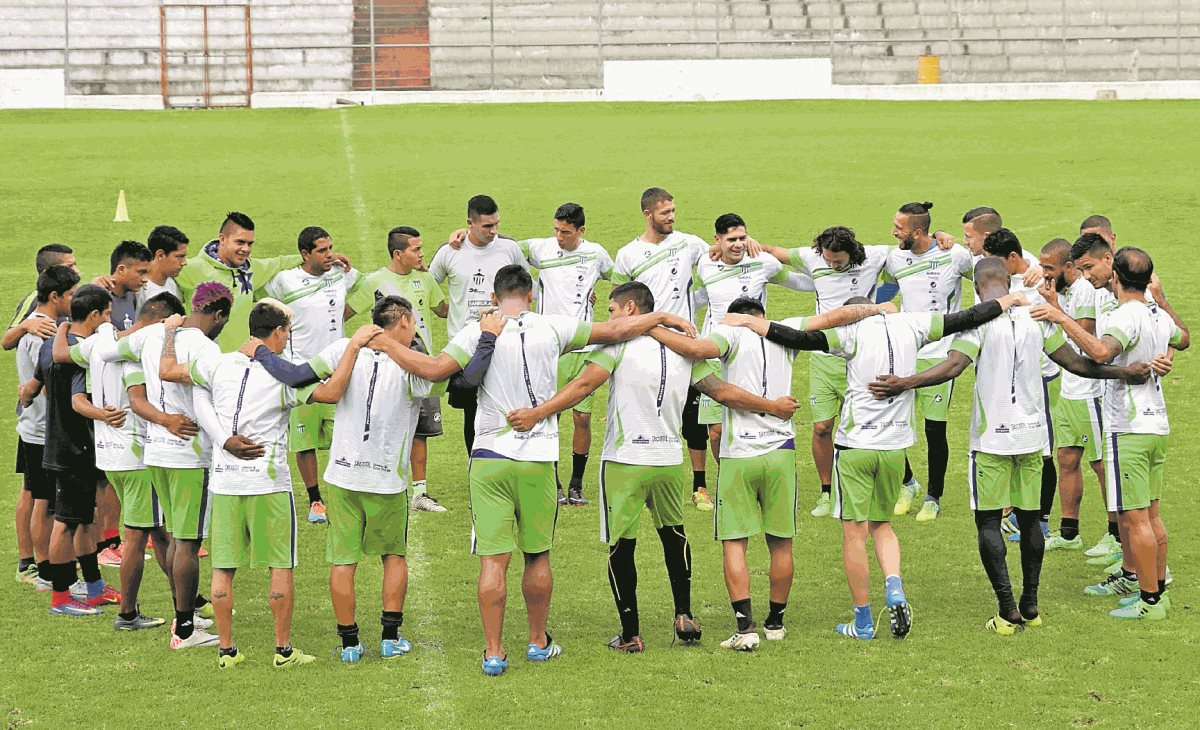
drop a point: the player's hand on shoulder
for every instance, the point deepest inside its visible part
(364, 334)
(676, 322)
(753, 248)
(105, 281)
(173, 322)
(1047, 313)
(492, 321)
(888, 308)
(43, 327)
(243, 448)
(522, 419)
(714, 252)
(455, 239)
(342, 260)
(1008, 301)
(250, 347)
(1033, 275)
(944, 240)
(736, 320)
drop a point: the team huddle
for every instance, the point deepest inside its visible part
(164, 398)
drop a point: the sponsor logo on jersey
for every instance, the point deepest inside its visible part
(640, 439)
(342, 462)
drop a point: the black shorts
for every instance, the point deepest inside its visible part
(694, 432)
(29, 463)
(429, 423)
(74, 496)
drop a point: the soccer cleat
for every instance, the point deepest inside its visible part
(1058, 542)
(633, 646)
(899, 619)
(905, 499)
(27, 576)
(929, 511)
(137, 623)
(1009, 525)
(1004, 627)
(42, 586)
(389, 648)
(535, 653)
(1164, 600)
(199, 637)
(494, 666)
(1106, 561)
(575, 496)
(1106, 545)
(742, 642)
(824, 508)
(108, 597)
(79, 591)
(687, 629)
(295, 659)
(1113, 585)
(425, 503)
(348, 654)
(109, 557)
(1141, 610)
(316, 516)
(74, 608)
(1167, 577)
(701, 499)
(562, 496)
(851, 631)
(226, 661)
(775, 634)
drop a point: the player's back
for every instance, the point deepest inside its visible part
(763, 368)
(31, 420)
(162, 447)
(1009, 412)
(1129, 407)
(647, 390)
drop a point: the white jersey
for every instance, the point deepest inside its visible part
(1079, 302)
(665, 267)
(723, 283)
(1016, 285)
(150, 290)
(1144, 335)
(319, 303)
(930, 282)
(647, 390)
(249, 402)
(31, 420)
(1106, 304)
(878, 345)
(1009, 412)
(117, 449)
(761, 367)
(471, 271)
(1026, 255)
(374, 422)
(835, 287)
(566, 278)
(523, 373)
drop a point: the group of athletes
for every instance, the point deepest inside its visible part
(164, 398)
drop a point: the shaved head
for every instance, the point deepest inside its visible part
(1060, 249)
(974, 213)
(1097, 223)
(991, 271)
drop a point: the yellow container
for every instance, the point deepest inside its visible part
(929, 70)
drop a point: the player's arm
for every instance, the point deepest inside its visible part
(82, 404)
(571, 395)
(689, 347)
(1160, 298)
(61, 351)
(890, 386)
(43, 327)
(178, 424)
(795, 280)
(332, 390)
(441, 309)
(286, 372)
(477, 367)
(731, 396)
(781, 334)
(170, 370)
(1100, 349)
(846, 315)
(626, 328)
(1085, 368)
(969, 319)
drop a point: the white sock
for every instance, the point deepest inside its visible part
(418, 488)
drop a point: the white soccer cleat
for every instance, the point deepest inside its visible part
(742, 642)
(425, 503)
(199, 637)
(778, 634)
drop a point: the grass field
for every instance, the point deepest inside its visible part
(790, 169)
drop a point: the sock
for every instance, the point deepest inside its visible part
(622, 579)
(939, 456)
(417, 488)
(863, 618)
(1151, 598)
(200, 601)
(677, 552)
(349, 635)
(1033, 549)
(391, 622)
(231, 651)
(1069, 528)
(1049, 486)
(111, 539)
(24, 563)
(128, 616)
(935, 500)
(894, 588)
(95, 588)
(184, 624)
(826, 489)
(1128, 574)
(60, 598)
(1114, 529)
(62, 576)
(1162, 586)
(744, 616)
(284, 651)
(698, 479)
(993, 549)
(578, 466)
(908, 474)
(44, 570)
(775, 614)
(90, 567)
(314, 495)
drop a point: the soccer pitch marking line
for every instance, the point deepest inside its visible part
(434, 667)
(356, 197)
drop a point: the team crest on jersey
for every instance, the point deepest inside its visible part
(478, 278)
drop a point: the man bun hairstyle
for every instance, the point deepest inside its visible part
(919, 212)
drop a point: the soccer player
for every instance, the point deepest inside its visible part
(129, 267)
(642, 457)
(52, 254)
(470, 271)
(663, 259)
(1008, 432)
(929, 280)
(35, 504)
(405, 277)
(168, 247)
(756, 484)
(512, 472)
(1101, 226)
(977, 224)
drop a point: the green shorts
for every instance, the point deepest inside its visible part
(310, 427)
(514, 505)
(1000, 481)
(185, 500)
(257, 530)
(711, 412)
(570, 366)
(866, 483)
(1077, 426)
(757, 494)
(826, 386)
(1050, 390)
(1133, 467)
(140, 507)
(934, 401)
(362, 524)
(626, 488)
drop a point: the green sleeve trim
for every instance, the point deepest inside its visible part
(795, 260)
(835, 342)
(77, 355)
(524, 246)
(303, 394)
(583, 333)
(196, 376)
(320, 367)
(937, 327)
(1176, 336)
(603, 359)
(721, 342)
(1119, 335)
(780, 277)
(1055, 340)
(966, 347)
(133, 377)
(1085, 313)
(460, 356)
(703, 369)
(887, 276)
(125, 350)
(438, 389)
(619, 278)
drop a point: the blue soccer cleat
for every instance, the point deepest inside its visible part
(389, 648)
(537, 653)
(350, 654)
(494, 666)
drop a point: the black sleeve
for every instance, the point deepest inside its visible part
(472, 375)
(797, 339)
(969, 319)
(290, 374)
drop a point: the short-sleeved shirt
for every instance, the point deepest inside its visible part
(878, 345)
(31, 420)
(523, 374)
(930, 282)
(835, 287)
(28, 303)
(647, 390)
(374, 422)
(1144, 335)
(471, 272)
(566, 278)
(150, 290)
(319, 304)
(1079, 302)
(249, 402)
(106, 376)
(418, 287)
(124, 310)
(761, 367)
(1009, 412)
(69, 444)
(724, 283)
(665, 267)
(1034, 297)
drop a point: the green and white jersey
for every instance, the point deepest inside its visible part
(523, 373)
(1144, 335)
(1026, 255)
(374, 421)
(835, 287)
(150, 290)
(418, 287)
(760, 367)
(665, 267)
(471, 271)
(31, 420)
(115, 447)
(647, 389)
(1016, 285)
(1079, 302)
(722, 283)
(1009, 412)
(249, 402)
(930, 282)
(566, 278)
(878, 345)
(319, 303)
